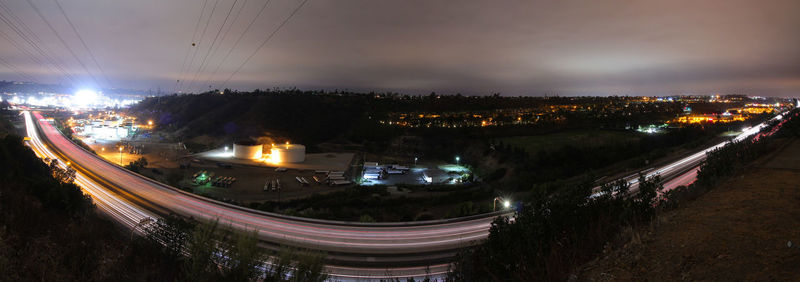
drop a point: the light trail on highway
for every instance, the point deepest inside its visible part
(362, 250)
(684, 171)
(357, 250)
(121, 210)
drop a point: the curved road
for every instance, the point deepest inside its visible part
(355, 250)
(362, 250)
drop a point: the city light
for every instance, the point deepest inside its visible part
(85, 97)
(506, 204)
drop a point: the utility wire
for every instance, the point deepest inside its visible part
(222, 41)
(210, 48)
(191, 62)
(19, 72)
(235, 44)
(186, 56)
(27, 35)
(38, 12)
(22, 49)
(266, 40)
(91, 54)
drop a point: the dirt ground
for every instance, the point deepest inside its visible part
(158, 155)
(250, 179)
(737, 231)
(250, 182)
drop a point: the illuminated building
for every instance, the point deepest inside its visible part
(287, 153)
(248, 150)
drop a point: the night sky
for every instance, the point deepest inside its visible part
(415, 47)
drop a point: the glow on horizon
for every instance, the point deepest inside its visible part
(85, 97)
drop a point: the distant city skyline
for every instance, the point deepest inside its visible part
(514, 48)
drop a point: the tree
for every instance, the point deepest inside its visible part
(201, 252)
(560, 227)
(137, 165)
(242, 257)
(366, 218)
(296, 265)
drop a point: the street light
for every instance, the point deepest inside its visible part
(120, 155)
(415, 161)
(506, 203)
(150, 122)
(458, 160)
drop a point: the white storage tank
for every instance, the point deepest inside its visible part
(288, 153)
(247, 149)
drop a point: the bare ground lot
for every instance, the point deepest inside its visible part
(158, 155)
(162, 164)
(249, 184)
(738, 231)
(250, 179)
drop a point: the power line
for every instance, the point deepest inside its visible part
(265, 41)
(19, 72)
(20, 48)
(194, 54)
(186, 56)
(235, 44)
(213, 43)
(91, 54)
(25, 33)
(38, 12)
(222, 40)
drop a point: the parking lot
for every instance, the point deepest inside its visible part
(416, 175)
(250, 182)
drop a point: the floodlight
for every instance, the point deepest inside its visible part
(85, 97)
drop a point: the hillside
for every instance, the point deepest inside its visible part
(301, 118)
(737, 231)
(313, 117)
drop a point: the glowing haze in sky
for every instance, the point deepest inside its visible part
(472, 47)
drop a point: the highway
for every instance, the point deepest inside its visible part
(355, 250)
(684, 171)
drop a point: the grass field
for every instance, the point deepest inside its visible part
(582, 138)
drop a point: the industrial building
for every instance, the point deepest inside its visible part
(287, 153)
(104, 132)
(247, 149)
(105, 126)
(284, 156)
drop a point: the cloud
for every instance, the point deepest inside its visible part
(472, 47)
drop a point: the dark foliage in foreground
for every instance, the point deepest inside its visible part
(554, 232)
(50, 231)
(562, 228)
